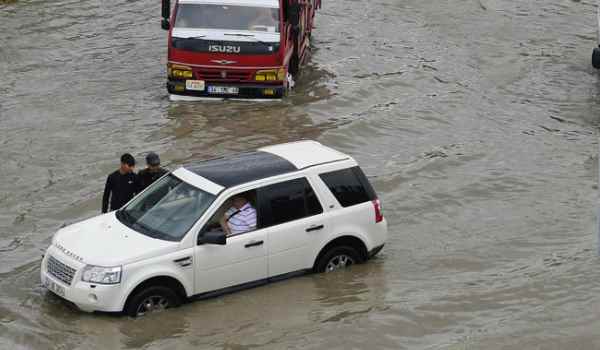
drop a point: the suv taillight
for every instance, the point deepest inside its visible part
(378, 212)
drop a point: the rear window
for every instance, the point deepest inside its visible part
(349, 186)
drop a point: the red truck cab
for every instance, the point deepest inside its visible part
(236, 48)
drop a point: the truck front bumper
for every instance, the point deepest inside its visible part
(244, 91)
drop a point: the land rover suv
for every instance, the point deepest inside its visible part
(310, 208)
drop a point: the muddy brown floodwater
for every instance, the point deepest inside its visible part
(476, 120)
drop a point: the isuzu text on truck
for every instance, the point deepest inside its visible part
(236, 48)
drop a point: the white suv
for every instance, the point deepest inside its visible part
(313, 208)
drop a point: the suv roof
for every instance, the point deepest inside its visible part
(305, 153)
(265, 162)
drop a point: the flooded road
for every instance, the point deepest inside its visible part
(476, 121)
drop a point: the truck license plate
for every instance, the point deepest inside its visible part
(54, 287)
(226, 90)
(196, 85)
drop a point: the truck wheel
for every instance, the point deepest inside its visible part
(596, 58)
(337, 258)
(151, 299)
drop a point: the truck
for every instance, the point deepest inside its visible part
(236, 48)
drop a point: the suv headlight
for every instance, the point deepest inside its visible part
(101, 275)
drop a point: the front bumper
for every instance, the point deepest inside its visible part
(250, 91)
(87, 297)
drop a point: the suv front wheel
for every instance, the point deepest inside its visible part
(151, 299)
(337, 258)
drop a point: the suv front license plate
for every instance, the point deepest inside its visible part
(195, 85)
(54, 287)
(223, 90)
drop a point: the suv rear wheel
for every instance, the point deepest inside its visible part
(337, 258)
(151, 299)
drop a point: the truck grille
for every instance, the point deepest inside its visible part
(59, 270)
(223, 75)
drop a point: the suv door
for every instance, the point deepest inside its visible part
(291, 215)
(241, 260)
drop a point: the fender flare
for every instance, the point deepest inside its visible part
(361, 237)
(145, 277)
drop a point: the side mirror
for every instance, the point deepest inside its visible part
(164, 24)
(212, 237)
(166, 14)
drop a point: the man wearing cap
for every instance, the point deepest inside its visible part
(152, 172)
(121, 185)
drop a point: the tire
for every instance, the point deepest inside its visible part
(159, 296)
(342, 256)
(596, 58)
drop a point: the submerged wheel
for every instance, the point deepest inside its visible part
(596, 58)
(151, 299)
(337, 258)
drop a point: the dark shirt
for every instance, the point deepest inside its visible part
(147, 177)
(120, 189)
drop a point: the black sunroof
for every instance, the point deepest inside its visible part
(241, 168)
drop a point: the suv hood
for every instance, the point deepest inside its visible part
(104, 241)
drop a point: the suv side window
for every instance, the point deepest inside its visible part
(349, 186)
(238, 221)
(287, 201)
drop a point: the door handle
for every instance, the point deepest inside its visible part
(315, 228)
(253, 244)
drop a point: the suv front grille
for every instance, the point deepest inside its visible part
(59, 270)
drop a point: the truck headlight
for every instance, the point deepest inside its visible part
(269, 75)
(101, 275)
(179, 72)
(182, 74)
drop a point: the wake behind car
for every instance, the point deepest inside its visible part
(302, 207)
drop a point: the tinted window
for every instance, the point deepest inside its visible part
(287, 201)
(349, 186)
(313, 207)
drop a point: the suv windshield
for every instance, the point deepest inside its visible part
(207, 16)
(166, 210)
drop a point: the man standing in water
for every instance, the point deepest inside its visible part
(152, 172)
(121, 185)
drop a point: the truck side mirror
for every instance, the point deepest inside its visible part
(164, 24)
(166, 14)
(213, 237)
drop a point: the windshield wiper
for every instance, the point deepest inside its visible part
(247, 36)
(154, 233)
(195, 37)
(130, 221)
(125, 216)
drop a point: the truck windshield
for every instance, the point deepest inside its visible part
(207, 16)
(167, 210)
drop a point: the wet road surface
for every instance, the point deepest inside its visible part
(476, 121)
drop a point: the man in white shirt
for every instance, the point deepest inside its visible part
(241, 217)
